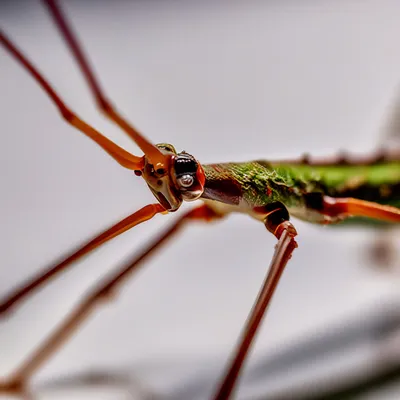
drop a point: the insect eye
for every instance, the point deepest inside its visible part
(186, 180)
(185, 164)
(189, 176)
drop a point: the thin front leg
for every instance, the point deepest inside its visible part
(102, 102)
(277, 223)
(26, 288)
(120, 155)
(103, 291)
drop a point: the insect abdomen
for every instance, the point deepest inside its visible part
(379, 182)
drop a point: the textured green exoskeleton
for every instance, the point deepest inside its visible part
(257, 183)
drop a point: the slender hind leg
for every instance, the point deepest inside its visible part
(340, 208)
(381, 252)
(102, 291)
(278, 224)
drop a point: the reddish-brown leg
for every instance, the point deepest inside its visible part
(103, 103)
(120, 155)
(103, 291)
(18, 294)
(340, 208)
(277, 223)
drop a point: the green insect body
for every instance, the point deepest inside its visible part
(258, 183)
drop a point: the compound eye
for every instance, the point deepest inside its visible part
(189, 176)
(185, 170)
(185, 165)
(185, 181)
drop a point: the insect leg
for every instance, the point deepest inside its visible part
(102, 291)
(349, 207)
(120, 155)
(278, 224)
(102, 102)
(142, 215)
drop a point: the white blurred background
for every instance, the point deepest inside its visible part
(225, 81)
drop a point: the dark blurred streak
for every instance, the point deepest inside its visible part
(375, 328)
(94, 379)
(371, 383)
(385, 377)
(354, 331)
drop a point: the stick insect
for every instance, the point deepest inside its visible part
(269, 192)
